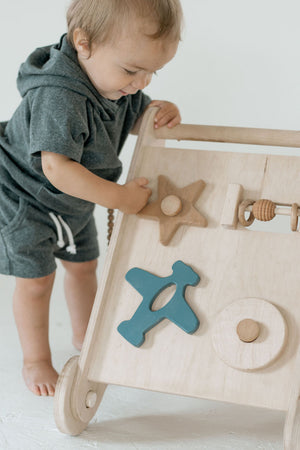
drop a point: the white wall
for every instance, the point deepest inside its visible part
(238, 63)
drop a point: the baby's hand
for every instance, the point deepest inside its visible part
(168, 114)
(136, 195)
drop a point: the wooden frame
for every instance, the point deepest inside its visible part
(233, 264)
(238, 135)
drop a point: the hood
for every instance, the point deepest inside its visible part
(57, 65)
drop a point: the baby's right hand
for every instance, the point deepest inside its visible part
(136, 195)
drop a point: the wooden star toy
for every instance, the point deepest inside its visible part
(174, 207)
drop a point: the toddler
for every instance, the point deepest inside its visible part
(59, 156)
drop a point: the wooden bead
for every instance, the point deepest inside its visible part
(241, 213)
(264, 210)
(171, 205)
(294, 217)
(247, 330)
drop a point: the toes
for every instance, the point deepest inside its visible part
(36, 390)
(51, 390)
(44, 390)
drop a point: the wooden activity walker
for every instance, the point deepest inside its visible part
(191, 300)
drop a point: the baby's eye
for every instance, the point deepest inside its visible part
(130, 72)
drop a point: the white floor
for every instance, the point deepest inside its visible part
(127, 418)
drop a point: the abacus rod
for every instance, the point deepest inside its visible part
(278, 210)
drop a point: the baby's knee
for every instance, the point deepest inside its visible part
(81, 270)
(35, 287)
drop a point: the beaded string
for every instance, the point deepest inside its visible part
(110, 223)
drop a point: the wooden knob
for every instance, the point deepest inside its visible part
(171, 205)
(91, 399)
(248, 330)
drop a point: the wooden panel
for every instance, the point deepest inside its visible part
(232, 264)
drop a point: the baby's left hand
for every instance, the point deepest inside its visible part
(168, 114)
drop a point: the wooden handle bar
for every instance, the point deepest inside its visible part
(238, 135)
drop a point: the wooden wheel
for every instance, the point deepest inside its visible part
(68, 397)
(66, 419)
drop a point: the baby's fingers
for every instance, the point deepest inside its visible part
(141, 181)
(174, 122)
(168, 114)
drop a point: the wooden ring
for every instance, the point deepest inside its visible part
(294, 217)
(249, 355)
(241, 214)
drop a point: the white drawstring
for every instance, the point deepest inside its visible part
(60, 240)
(71, 247)
(58, 221)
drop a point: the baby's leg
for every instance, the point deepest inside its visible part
(80, 291)
(31, 311)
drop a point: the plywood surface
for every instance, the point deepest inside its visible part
(232, 264)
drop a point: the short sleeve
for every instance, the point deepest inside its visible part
(140, 103)
(58, 122)
(145, 101)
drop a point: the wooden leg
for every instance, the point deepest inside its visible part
(292, 426)
(291, 434)
(76, 400)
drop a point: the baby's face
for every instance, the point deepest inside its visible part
(127, 65)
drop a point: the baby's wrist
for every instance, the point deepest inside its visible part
(119, 197)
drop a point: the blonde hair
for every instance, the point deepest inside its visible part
(102, 20)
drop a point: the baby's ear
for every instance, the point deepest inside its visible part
(81, 43)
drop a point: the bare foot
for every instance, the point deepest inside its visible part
(40, 377)
(77, 342)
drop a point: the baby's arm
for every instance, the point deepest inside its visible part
(74, 179)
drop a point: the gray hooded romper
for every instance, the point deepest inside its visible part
(60, 112)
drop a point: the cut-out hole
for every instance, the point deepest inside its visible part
(280, 224)
(247, 215)
(163, 298)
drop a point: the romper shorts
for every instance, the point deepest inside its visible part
(31, 239)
